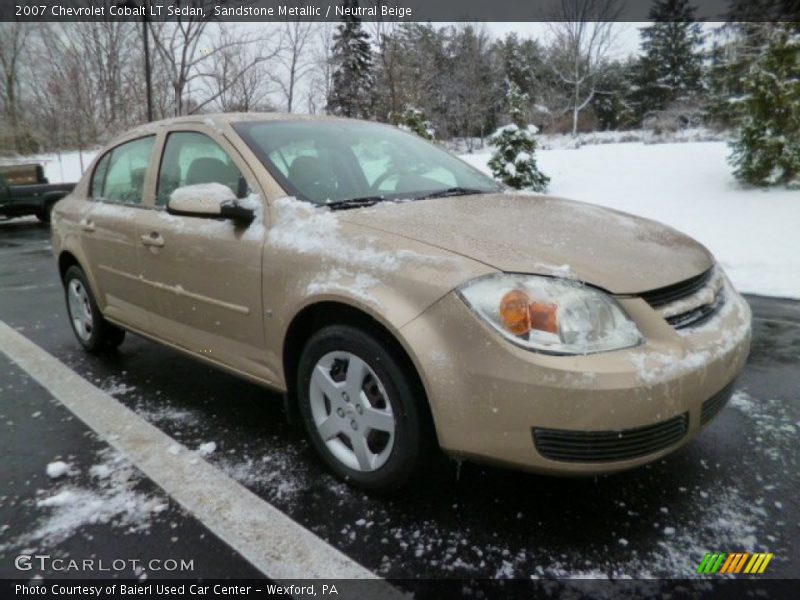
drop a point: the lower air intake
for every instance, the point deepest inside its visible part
(713, 405)
(609, 446)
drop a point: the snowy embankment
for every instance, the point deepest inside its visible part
(64, 167)
(689, 186)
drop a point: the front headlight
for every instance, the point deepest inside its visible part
(555, 316)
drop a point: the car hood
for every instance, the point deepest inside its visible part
(526, 233)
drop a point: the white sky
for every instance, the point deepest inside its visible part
(627, 34)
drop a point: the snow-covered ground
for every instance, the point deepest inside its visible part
(754, 233)
(687, 185)
(553, 141)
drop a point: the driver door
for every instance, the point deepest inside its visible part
(204, 273)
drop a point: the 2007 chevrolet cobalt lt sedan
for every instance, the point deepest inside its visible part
(399, 297)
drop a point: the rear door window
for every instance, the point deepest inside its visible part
(120, 175)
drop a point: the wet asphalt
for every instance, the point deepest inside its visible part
(735, 488)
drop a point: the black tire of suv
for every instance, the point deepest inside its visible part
(104, 336)
(412, 436)
(45, 214)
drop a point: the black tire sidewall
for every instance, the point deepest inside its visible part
(402, 462)
(45, 214)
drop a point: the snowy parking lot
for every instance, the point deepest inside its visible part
(734, 488)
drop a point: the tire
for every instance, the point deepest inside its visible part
(338, 426)
(93, 332)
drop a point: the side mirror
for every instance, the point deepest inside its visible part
(209, 200)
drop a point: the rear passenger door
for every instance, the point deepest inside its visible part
(118, 191)
(205, 274)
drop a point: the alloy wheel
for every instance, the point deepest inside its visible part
(80, 309)
(351, 411)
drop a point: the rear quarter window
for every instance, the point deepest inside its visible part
(99, 177)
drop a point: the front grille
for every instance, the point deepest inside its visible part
(697, 316)
(688, 303)
(713, 405)
(608, 446)
(678, 291)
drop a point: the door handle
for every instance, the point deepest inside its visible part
(154, 240)
(87, 225)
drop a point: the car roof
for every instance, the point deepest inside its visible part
(218, 120)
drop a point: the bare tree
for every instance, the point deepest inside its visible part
(13, 40)
(321, 69)
(177, 45)
(237, 80)
(187, 48)
(106, 47)
(389, 53)
(64, 96)
(294, 58)
(468, 82)
(584, 33)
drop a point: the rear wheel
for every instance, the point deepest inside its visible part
(93, 332)
(360, 409)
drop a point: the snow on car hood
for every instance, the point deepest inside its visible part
(525, 233)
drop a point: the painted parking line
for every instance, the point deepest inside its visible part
(272, 542)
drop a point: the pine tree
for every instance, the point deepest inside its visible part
(738, 44)
(352, 79)
(513, 161)
(766, 150)
(413, 119)
(613, 107)
(520, 61)
(672, 62)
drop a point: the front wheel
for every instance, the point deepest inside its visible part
(93, 332)
(360, 408)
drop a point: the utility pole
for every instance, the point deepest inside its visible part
(148, 83)
(147, 76)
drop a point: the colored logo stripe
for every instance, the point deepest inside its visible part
(711, 563)
(758, 563)
(734, 563)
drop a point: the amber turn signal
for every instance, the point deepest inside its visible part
(514, 312)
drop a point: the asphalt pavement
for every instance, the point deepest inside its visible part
(733, 489)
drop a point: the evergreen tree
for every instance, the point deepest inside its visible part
(352, 78)
(413, 119)
(766, 150)
(738, 45)
(520, 61)
(513, 161)
(613, 106)
(672, 62)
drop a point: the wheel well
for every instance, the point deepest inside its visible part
(313, 318)
(65, 261)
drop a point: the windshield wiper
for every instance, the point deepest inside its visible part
(354, 202)
(453, 191)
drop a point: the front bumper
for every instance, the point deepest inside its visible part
(489, 397)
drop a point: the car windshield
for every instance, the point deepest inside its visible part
(354, 163)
